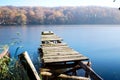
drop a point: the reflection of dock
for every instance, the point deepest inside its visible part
(61, 61)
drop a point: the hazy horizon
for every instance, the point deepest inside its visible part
(59, 6)
(60, 3)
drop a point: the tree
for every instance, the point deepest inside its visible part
(21, 19)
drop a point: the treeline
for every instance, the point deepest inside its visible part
(10, 15)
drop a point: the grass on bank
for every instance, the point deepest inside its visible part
(11, 69)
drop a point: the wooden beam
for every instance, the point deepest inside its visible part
(50, 37)
(29, 67)
(64, 76)
(73, 69)
(62, 56)
(64, 59)
(53, 45)
(90, 71)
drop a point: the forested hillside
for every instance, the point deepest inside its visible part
(10, 15)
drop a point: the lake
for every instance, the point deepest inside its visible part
(101, 43)
(1, 49)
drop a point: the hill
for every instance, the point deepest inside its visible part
(11, 15)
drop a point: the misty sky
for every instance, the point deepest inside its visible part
(54, 3)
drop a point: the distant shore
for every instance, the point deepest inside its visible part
(11, 15)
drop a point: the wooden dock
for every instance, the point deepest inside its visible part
(61, 61)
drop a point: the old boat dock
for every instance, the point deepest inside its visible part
(61, 61)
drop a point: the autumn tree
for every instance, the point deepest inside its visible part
(21, 19)
(11, 15)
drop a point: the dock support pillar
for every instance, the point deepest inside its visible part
(87, 73)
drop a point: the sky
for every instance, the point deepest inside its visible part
(57, 3)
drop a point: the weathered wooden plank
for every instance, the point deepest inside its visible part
(53, 45)
(54, 59)
(64, 76)
(28, 65)
(57, 48)
(60, 52)
(64, 59)
(62, 56)
(50, 37)
(47, 36)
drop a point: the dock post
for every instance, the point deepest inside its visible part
(87, 73)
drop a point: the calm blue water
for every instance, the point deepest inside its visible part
(101, 43)
(1, 49)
